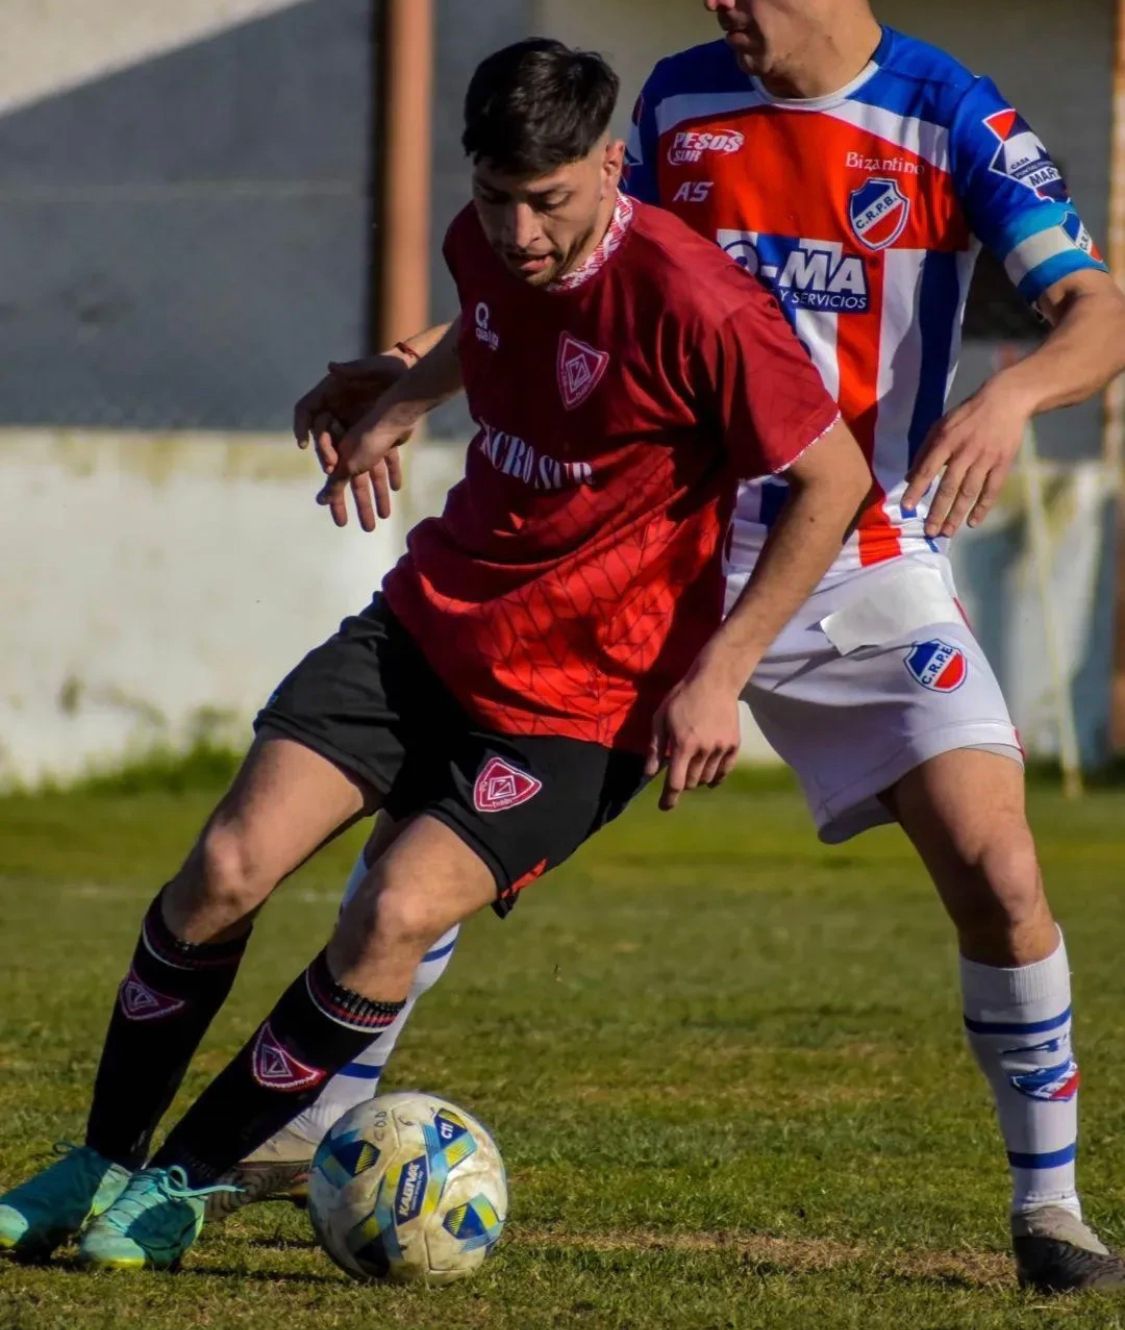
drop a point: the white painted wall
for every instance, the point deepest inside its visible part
(156, 589)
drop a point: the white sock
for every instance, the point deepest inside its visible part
(359, 1080)
(1018, 1025)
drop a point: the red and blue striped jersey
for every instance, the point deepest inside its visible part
(864, 212)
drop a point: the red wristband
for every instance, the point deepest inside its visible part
(408, 351)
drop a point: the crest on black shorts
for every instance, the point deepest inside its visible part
(501, 786)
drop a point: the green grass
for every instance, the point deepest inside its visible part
(724, 1065)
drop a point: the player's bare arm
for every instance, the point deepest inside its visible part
(433, 380)
(696, 731)
(345, 394)
(978, 441)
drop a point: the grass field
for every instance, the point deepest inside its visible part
(724, 1065)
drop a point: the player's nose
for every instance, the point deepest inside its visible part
(522, 228)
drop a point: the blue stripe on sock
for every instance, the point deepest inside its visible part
(1016, 1027)
(1052, 1159)
(441, 951)
(360, 1071)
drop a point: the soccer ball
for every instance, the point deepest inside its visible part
(408, 1187)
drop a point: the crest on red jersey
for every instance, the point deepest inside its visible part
(501, 786)
(581, 369)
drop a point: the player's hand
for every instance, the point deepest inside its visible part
(975, 444)
(365, 461)
(340, 400)
(695, 733)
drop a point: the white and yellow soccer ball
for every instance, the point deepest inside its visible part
(408, 1187)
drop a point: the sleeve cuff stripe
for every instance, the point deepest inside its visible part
(1037, 249)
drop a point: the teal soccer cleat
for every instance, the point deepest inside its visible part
(152, 1223)
(52, 1207)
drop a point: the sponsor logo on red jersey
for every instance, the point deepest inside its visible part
(803, 274)
(485, 332)
(501, 786)
(513, 456)
(858, 161)
(689, 145)
(581, 369)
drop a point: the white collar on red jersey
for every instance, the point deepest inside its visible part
(609, 245)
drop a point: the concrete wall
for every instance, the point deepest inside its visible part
(185, 210)
(156, 588)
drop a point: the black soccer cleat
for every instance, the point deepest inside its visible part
(1057, 1253)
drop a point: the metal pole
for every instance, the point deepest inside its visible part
(404, 239)
(1114, 450)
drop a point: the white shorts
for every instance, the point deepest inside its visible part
(876, 675)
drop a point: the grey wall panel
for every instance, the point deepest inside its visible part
(185, 242)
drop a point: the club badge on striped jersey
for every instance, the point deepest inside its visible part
(878, 211)
(937, 665)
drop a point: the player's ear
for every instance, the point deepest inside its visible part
(613, 164)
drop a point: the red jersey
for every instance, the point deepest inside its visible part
(574, 574)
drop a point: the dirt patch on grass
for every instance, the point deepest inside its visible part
(794, 1255)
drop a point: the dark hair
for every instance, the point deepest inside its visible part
(537, 105)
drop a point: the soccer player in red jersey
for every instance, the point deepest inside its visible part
(541, 649)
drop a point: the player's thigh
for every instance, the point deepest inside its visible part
(285, 802)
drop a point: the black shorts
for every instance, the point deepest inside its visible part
(369, 701)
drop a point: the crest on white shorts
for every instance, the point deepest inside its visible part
(937, 665)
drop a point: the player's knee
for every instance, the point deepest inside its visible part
(228, 874)
(403, 919)
(1008, 893)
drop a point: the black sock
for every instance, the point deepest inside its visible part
(316, 1028)
(164, 1006)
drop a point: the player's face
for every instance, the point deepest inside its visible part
(763, 34)
(542, 226)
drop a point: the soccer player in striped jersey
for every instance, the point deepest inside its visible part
(858, 172)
